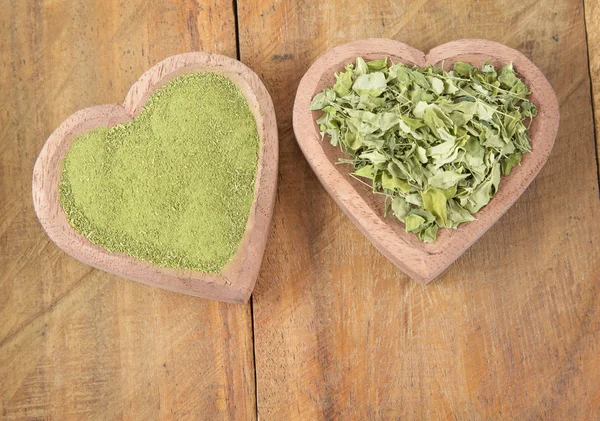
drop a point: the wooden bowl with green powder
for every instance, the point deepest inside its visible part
(176, 187)
(425, 152)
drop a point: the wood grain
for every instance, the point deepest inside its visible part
(77, 343)
(511, 330)
(236, 281)
(592, 20)
(421, 261)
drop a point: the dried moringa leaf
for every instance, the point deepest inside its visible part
(434, 142)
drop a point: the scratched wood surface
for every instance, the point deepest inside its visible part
(592, 20)
(77, 343)
(511, 331)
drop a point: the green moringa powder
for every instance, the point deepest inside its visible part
(175, 185)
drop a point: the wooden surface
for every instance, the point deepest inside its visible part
(423, 262)
(511, 331)
(76, 343)
(592, 21)
(236, 281)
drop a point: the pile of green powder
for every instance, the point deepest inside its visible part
(175, 185)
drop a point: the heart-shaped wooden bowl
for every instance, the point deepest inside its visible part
(422, 262)
(237, 279)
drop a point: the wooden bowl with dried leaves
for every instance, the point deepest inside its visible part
(421, 261)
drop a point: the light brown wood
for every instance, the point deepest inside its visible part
(77, 343)
(510, 331)
(421, 261)
(592, 20)
(236, 281)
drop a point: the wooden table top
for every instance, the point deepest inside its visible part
(333, 330)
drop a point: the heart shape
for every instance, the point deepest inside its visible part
(236, 281)
(421, 261)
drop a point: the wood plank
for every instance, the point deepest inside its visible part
(77, 343)
(592, 21)
(510, 331)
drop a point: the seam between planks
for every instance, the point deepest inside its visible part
(254, 356)
(589, 69)
(239, 57)
(236, 23)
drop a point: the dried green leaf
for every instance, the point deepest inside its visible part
(400, 207)
(366, 171)
(390, 182)
(372, 84)
(434, 201)
(343, 83)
